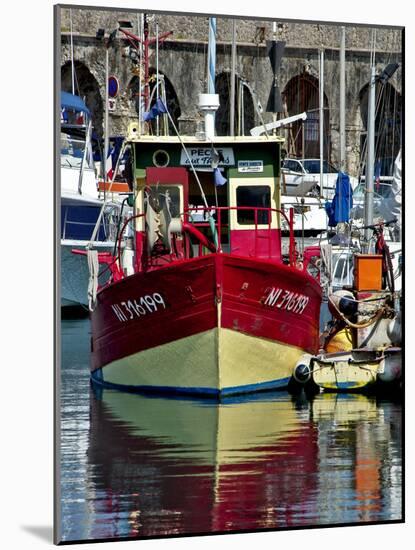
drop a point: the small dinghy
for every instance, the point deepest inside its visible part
(353, 370)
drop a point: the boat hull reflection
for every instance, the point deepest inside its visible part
(201, 467)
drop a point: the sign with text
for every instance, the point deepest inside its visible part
(202, 156)
(250, 166)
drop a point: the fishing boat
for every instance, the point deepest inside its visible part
(212, 306)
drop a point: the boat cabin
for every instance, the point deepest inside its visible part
(225, 192)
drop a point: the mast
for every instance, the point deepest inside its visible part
(146, 71)
(343, 99)
(157, 74)
(370, 154)
(232, 107)
(106, 135)
(72, 62)
(140, 25)
(142, 45)
(274, 38)
(321, 115)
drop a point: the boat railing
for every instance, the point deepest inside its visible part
(219, 225)
(208, 212)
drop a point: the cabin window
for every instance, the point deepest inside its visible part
(161, 158)
(256, 196)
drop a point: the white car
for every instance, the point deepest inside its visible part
(302, 176)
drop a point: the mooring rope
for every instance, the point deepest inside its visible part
(93, 266)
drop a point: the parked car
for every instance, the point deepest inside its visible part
(302, 177)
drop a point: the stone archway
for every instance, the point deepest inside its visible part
(244, 106)
(388, 121)
(171, 96)
(301, 94)
(87, 87)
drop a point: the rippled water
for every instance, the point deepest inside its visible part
(134, 465)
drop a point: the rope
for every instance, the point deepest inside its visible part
(366, 324)
(93, 266)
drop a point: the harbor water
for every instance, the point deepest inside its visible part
(141, 466)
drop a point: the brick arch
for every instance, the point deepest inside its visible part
(172, 99)
(87, 87)
(222, 121)
(300, 94)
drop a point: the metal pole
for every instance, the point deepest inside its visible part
(274, 37)
(106, 135)
(146, 54)
(370, 154)
(232, 107)
(321, 117)
(140, 25)
(242, 111)
(157, 74)
(72, 63)
(212, 55)
(239, 107)
(343, 99)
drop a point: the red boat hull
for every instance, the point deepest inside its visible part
(218, 324)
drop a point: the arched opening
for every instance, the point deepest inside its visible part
(301, 94)
(166, 87)
(86, 86)
(387, 124)
(244, 106)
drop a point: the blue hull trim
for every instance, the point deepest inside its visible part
(282, 383)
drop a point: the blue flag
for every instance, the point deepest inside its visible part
(157, 109)
(219, 179)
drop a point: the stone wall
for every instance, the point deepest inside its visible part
(182, 59)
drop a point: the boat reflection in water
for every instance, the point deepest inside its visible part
(360, 443)
(160, 466)
(201, 467)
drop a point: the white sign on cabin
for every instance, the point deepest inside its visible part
(250, 166)
(202, 156)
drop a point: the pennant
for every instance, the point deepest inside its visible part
(157, 109)
(219, 179)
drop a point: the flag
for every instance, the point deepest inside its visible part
(219, 179)
(377, 176)
(64, 115)
(157, 109)
(109, 171)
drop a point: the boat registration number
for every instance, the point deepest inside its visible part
(286, 299)
(135, 308)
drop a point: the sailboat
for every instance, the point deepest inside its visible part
(80, 202)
